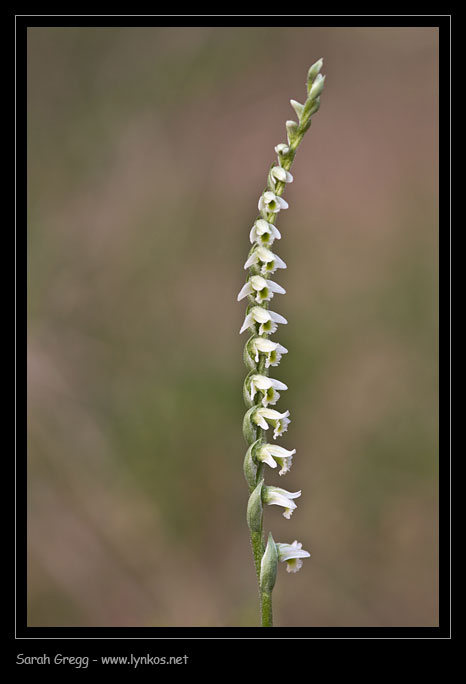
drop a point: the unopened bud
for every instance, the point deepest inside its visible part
(312, 73)
(291, 129)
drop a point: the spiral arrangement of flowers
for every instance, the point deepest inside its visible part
(260, 353)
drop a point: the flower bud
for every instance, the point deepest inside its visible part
(282, 150)
(291, 129)
(298, 107)
(312, 73)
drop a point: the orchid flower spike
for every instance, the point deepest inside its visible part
(260, 391)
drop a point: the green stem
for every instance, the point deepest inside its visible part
(266, 609)
(257, 544)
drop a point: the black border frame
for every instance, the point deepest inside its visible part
(133, 639)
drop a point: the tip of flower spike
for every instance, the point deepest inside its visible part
(313, 71)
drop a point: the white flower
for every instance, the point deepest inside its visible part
(269, 202)
(272, 350)
(279, 421)
(281, 497)
(267, 319)
(268, 387)
(262, 289)
(264, 232)
(292, 554)
(278, 173)
(268, 260)
(282, 148)
(273, 454)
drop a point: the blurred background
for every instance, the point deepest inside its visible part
(148, 150)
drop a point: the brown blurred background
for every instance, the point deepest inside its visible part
(148, 150)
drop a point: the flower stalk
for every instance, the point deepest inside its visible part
(260, 391)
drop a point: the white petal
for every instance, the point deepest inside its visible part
(277, 318)
(286, 466)
(267, 458)
(251, 260)
(294, 565)
(260, 420)
(278, 500)
(260, 314)
(245, 291)
(279, 173)
(271, 414)
(264, 254)
(282, 147)
(275, 232)
(275, 287)
(279, 263)
(279, 451)
(295, 554)
(270, 400)
(264, 345)
(288, 551)
(288, 512)
(248, 321)
(269, 331)
(278, 385)
(258, 282)
(293, 495)
(262, 382)
(262, 226)
(283, 203)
